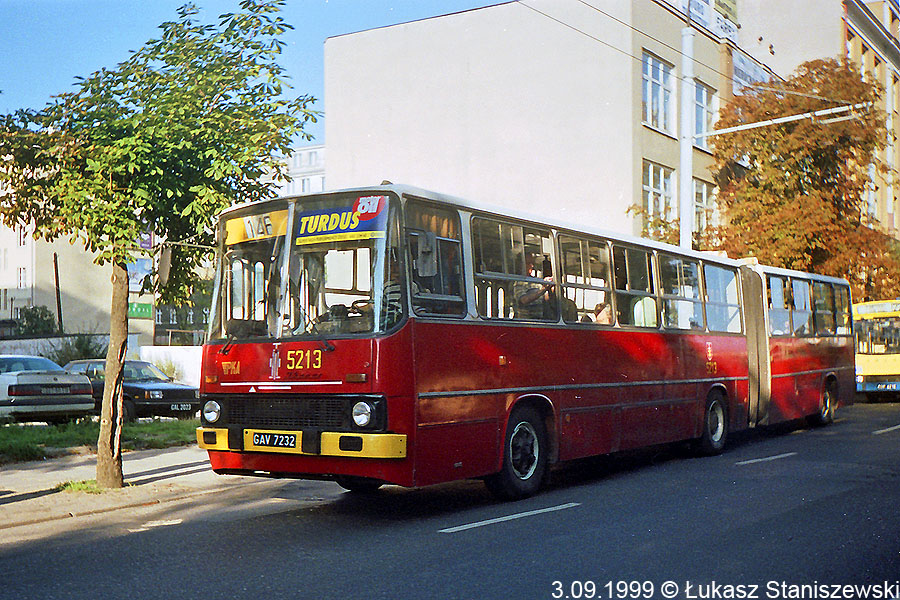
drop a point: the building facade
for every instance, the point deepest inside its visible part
(306, 168)
(63, 277)
(547, 106)
(867, 34)
(574, 106)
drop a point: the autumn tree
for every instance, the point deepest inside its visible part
(183, 128)
(794, 194)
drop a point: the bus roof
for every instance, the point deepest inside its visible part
(501, 212)
(540, 220)
(877, 308)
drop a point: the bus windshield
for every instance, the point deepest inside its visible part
(878, 335)
(338, 275)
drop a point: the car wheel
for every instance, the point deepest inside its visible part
(129, 412)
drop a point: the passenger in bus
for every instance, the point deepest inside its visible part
(603, 313)
(532, 298)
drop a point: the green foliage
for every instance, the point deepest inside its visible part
(36, 320)
(77, 347)
(793, 194)
(183, 128)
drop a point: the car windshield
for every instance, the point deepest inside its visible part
(339, 275)
(12, 364)
(143, 372)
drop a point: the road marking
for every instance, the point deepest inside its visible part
(889, 429)
(767, 459)
(151, 524)
(529, 513)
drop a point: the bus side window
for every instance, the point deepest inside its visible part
(842, 309)
(512, 271)
(823, 308)
(779, 303)
(801, 313)
(723, 308)
(586, 278)
(635, 292)
(433, 234)
(680, 287)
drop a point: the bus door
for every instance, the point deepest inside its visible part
(755, 309)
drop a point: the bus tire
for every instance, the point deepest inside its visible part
(714, 428)
(358, 485)
(827, 402)
(525, 450)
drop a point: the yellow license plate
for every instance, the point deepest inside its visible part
(272, 441)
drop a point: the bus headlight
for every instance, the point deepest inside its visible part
(363, 414)
(212, 411)
(859, 379)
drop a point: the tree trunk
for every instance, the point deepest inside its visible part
(109, 446)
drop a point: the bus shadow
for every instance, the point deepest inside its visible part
(393, 504)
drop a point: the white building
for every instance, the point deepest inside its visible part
(306, 167)
(573, 107)
(553, 106)
(29, 270)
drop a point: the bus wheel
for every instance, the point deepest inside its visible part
(715, 426)
(359, 485)
(524, 456)
(825, 414)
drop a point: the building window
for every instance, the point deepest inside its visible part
(22, 278)
(704, 112)
(705, 215)
(657, 193)
(23, 236)
(305, 185)
(656, 93)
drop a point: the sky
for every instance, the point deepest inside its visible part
(46, 44)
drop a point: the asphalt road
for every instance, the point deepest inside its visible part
(782, 508)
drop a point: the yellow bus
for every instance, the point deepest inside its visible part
(877, 326)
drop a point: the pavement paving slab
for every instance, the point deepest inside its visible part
(28, 494)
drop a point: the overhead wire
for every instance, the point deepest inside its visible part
(666, 45)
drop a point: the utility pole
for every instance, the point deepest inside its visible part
(686, 139)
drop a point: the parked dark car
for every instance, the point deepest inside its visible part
(33, 388)
(147, 391)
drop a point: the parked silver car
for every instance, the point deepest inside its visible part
(33, 388)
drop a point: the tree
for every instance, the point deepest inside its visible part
(36, 320)
(183, 128)
(794, 194)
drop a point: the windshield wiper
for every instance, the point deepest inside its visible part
(229, 342)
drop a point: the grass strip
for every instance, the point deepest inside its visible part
(24, 442)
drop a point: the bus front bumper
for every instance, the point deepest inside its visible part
(309, 443)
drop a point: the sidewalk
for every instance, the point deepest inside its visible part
(151, 477)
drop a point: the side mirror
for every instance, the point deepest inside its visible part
(426, 261)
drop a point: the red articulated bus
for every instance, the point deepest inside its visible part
(394, 335)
